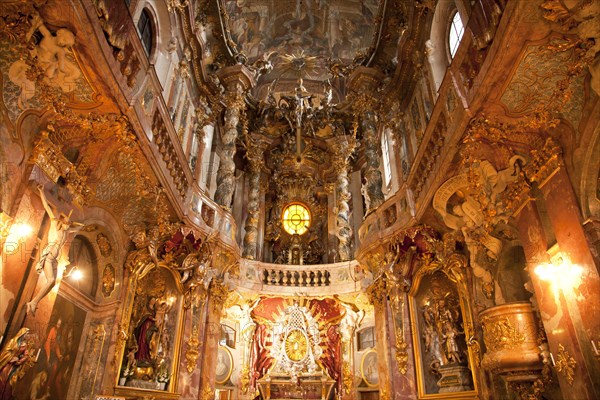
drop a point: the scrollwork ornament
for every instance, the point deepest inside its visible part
(208, 393)
(401, 353)
(191, 355)
(245, 378)
(377, 293)
(122, 337)
(565, 364)
(218, 293)
(475, 347)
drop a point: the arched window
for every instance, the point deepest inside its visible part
(455, 35)
(146, 31)
(385, 153)
(296, 219)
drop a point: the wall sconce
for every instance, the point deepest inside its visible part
(74, 273)
(12, 233)
(561, 273)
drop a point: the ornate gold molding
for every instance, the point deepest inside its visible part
(566, 364)
(191, 355)
(501, 335)
(401, 353)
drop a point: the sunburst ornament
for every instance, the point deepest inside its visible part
(296, 345)
(302, 65)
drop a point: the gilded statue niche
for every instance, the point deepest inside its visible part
(150, 357)
(445, 357)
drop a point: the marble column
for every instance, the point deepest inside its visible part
(344, 146)
(378, 297)
(255, 155)
(217, 294)
(237, 79)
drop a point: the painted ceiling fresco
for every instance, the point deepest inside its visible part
(325, 29)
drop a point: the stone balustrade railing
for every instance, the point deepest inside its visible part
(450, 117)
(308, 280)
(149, 116)
(276, 276)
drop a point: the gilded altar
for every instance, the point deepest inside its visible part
(305, 386)
(297, 372)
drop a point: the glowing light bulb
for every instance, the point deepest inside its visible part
(22, 230)
(76, 274)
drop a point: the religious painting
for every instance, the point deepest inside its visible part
(151, 351)
(368, 368)
(441, 353)
(51, 375)
(224, 365)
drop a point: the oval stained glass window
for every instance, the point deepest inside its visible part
(296, 219)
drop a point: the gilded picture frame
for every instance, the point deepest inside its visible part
(165, 297)
(368, 368)
(224, 365)
(458, 357)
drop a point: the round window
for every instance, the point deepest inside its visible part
(296, 219)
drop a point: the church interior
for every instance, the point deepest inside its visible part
(300, 199)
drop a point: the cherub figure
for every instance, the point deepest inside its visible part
(51, 55)
(60, 227)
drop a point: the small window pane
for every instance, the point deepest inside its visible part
(456, 33)
(366, 339)
(145, 31)
(387, 166)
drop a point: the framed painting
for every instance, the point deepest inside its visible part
(368, 368)
(224, 365)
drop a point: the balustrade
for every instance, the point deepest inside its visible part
(273, 276)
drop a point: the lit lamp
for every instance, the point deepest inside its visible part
(561, 273)
(12, 233)
(74, 273)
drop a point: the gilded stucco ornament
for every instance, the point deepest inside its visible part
(191, 355)
(565, 364)
(582, 19)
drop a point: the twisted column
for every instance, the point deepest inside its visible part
(237, 80)
(344, 147)
(254, 153)
(364, 82)
(373, 180)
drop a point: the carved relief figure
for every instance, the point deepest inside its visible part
(60, 227)
(50, 55)
(15, 359)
